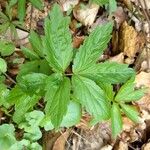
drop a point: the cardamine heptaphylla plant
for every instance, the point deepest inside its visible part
(88, 87)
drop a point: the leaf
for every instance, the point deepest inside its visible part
(7, 136)
(57, 41)
(3, 93)
(57, 97)
(37, 4)
(33, 83)
(92, 48)
(36, 42)
(6, 48)
(101, 2)
(23, 104)
(33, 133)
(12, 2)
(29, 53)
(112, 6)
(109, 72)
(130, 112)
(36, 66)
(127, 92)
(108, 90)
(91, 96)
(3, 66)
(116, 120)
(21, 9)
(4, 27)
(71, 118)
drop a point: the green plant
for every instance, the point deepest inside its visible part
(8, 140)
(88, 86)
(21, 4)
(7, 22)
(110, 4)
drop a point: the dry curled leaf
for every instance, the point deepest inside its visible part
(128, 40)
(86, 14)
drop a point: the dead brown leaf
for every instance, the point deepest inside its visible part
(128, 40)
(77, 41)
(61, 141)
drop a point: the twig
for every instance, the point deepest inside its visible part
(8, 77)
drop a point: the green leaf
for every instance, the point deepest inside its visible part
(6, 48)
(127, 93)
(112, 6)
(57, 41)
(4, 27)
(37, 4)
(101, 2)
(23, 104)
(109, 72)
(36, 43)
(3, 66)
(92, 48)
(7, 136)
(15, 94)
(12, 2)
(36, 66)
(57, 97)
(130, 112)
(3, 17)
(116, 120)
(33, 83)
(29, 53)
(33, 133)
(71, 118)
(91, 96)
(21, 9)
(3, 95)
(108, 90)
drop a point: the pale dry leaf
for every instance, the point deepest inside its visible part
(86, 14)
(143, 79)
(122, 146)
(127, 124)
(146, 146)
(118, 58)
(68, 4)
(145, 4)
(107, 147)
(128, 40)
(61, 141)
